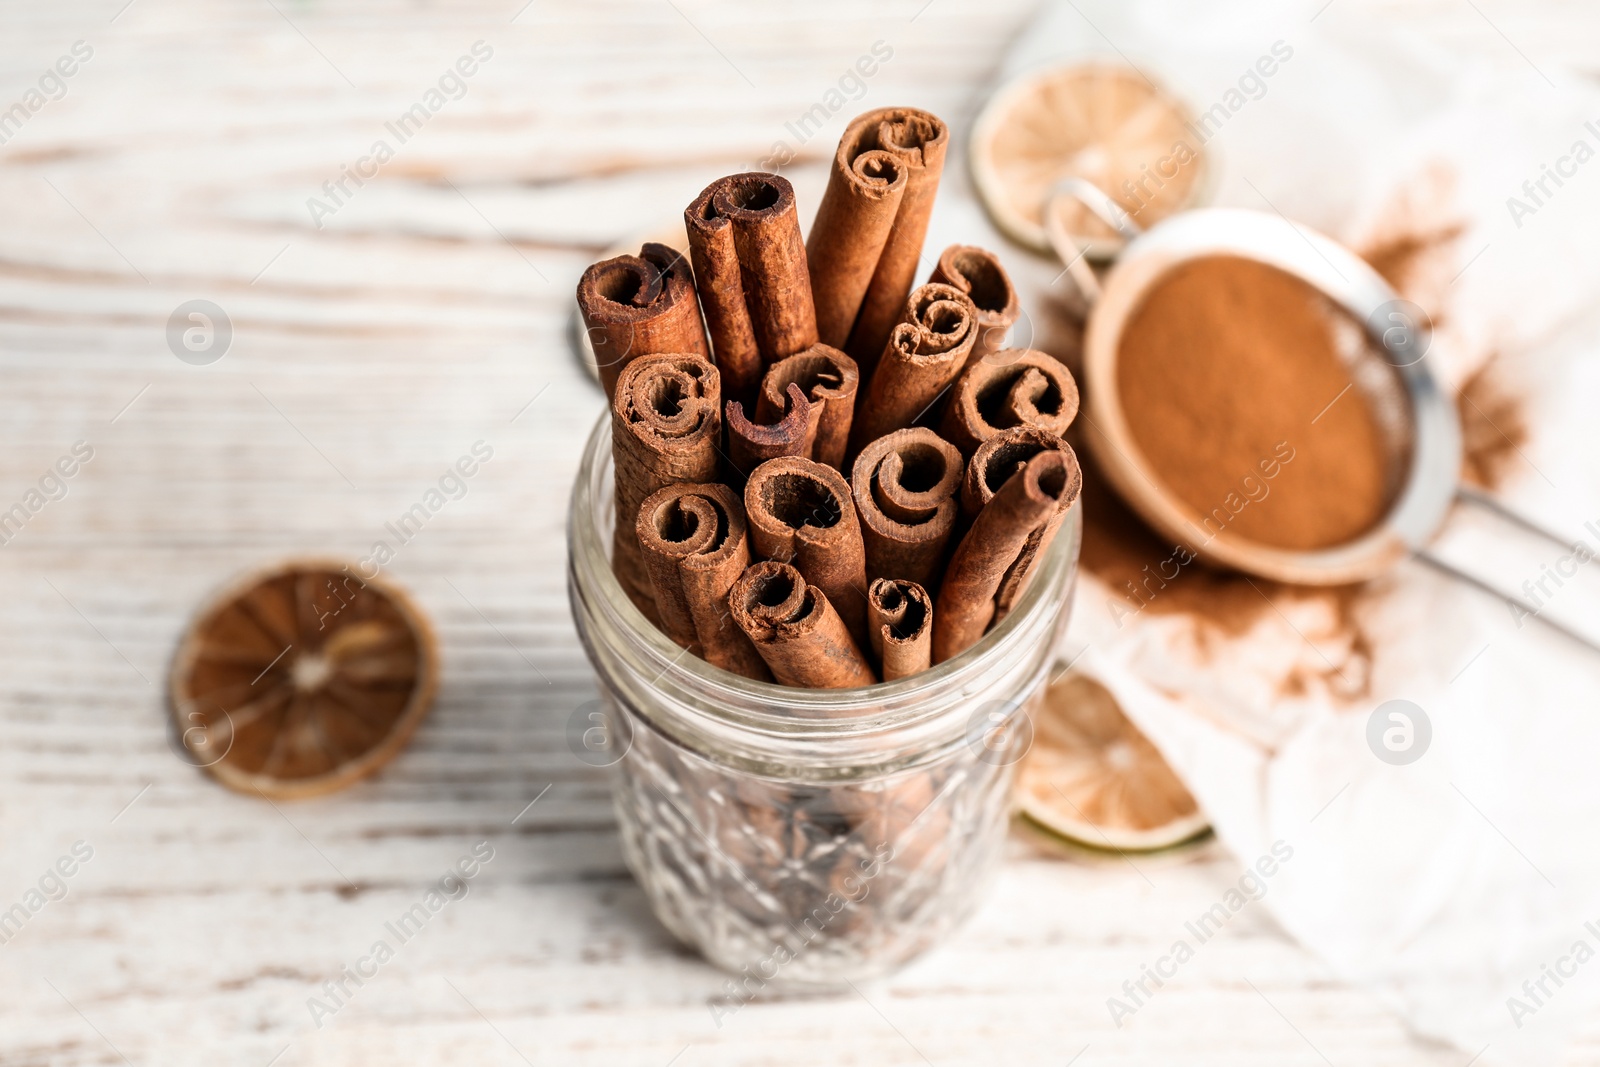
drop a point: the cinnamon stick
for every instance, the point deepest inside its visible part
(1017, 387)
(924, 355)
(829, 379)
(988, 469)
(695, 547)
(1022, 507)
(800, 512)
(750, 268)
(978, 273)
(665, 422)
(639, 306)
(796, 630)
(852, 226)
(900, 623)
(752, 444)
(906, 487)
(1001, 456)
(869, 229)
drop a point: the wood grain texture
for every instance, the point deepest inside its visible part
(429, 313)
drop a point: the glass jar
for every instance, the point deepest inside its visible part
(824, 835)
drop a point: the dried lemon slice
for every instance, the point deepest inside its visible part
(1104, 123)
(1091, 776)
(302, 680)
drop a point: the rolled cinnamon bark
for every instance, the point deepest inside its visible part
(639, 306)
(1001, 456)
(796, 630)
(800, 512)
(750, 267)
(829, 379)
(867, 237)
(1023, 507)
(1018, 387)
(906, 486)
(924, 355)
(978, 273)
(695, 547)
(665, 422)
(752, 444)
(900, 623)
(994, 461)
(852, 226)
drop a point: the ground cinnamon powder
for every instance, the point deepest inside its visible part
(1230, 369)
(1494, 427)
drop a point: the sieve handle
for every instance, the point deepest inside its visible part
(1065, 242)
(1562, 608)
(1468, 494)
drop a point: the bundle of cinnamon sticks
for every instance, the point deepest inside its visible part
(854, 479)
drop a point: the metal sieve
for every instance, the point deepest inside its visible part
(1430, 451)
(1427, 445)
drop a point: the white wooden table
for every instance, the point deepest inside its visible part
(428, 313)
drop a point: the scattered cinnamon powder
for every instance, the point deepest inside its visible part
(1494, 427)
(1401, 256)
(1414, 239)
(1149, 574)
(1239, 384)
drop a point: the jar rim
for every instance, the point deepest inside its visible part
(791, 710)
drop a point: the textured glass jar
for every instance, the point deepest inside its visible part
(801, 835)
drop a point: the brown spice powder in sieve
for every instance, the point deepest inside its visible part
(1225, 364)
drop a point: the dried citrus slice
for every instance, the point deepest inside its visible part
(1091, 776)
(1104, 123)
(301, 680)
